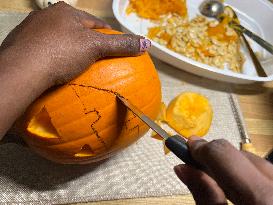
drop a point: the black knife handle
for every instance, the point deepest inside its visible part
(179, 147)
(269, 156)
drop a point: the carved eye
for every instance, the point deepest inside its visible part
(49, 3)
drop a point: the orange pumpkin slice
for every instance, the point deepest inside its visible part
(162, 115)
(190, 114)
(154, 135)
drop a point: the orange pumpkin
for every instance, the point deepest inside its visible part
(82, 121)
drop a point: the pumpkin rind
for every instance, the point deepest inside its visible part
(86, 120)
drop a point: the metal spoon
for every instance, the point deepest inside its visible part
(257, 64)
(218, 9)
(211, 8)
(215, 8)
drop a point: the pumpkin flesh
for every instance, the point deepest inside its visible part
(190, 114)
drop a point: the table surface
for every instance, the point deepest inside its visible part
(256, 102)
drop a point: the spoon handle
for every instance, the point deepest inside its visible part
(266, 45)
(257, 64)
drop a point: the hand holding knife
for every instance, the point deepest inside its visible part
(177, 144)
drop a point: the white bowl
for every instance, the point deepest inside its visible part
(255, 15)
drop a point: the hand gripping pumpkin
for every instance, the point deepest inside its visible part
(82, 121)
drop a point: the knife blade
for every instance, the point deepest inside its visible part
(176, 143)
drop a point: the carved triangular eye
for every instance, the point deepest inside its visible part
(86, 151)
(41, 125)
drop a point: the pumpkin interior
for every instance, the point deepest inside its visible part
(190, 114)
(188, 108)
(153, 9)
(41, 125)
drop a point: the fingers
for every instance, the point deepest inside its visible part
(261, 164)
(89, 21)
(234, 173)
(12, 138)
(86, 19)
(124, 45)
(12, 35)
(203, 188)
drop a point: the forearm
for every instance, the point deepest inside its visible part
(20, 85)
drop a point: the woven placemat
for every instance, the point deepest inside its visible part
(141, 170)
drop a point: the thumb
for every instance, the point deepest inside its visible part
(124, 45)
(203, 188)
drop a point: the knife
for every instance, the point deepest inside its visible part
(176, 144)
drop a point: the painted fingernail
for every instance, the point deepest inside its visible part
(145, 44)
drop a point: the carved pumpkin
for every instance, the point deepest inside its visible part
(83, 122)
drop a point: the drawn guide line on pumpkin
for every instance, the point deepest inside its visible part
(129, 120)
(135, 127)
(84, 107)
(93, 123)
(94, 130)
(99, 116)
(96, 88)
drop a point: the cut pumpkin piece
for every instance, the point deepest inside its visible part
(165, 148)
(162, 115)
(190, 114)
(41, 125)
(156, 136)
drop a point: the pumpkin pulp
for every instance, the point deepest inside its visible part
(190, 114)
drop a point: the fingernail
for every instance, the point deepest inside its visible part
(195, 138)
(194, 141)
(108, 26)
(178, 169)
(145, 44)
